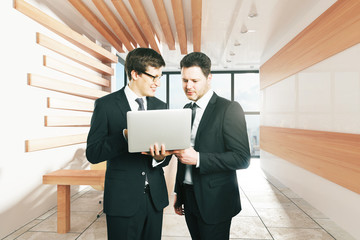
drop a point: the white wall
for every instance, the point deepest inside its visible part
(323, 97)
(23, 196)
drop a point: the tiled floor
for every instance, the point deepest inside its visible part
(270, 211)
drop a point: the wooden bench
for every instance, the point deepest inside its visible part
(63, 179)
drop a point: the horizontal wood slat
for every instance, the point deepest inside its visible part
(74, 71)
(64, 31)
(333, 156)
(57, 103)
(64, 87)
(196, 11)
(54, 142)
(67, 121)
(332, 32)
(74, 55)
(180, 24)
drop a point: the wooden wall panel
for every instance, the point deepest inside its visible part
(64, 31)
(65, 104)
(333, 156)
(67, 121)
(64, 87)
(332, 32)
(54, 142)
(74, 55)
(74, 71)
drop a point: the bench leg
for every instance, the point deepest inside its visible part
(63, 208)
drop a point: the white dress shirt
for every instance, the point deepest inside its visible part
(201, 106)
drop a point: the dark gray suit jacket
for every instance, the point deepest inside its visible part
(125, 178)
(222, 142)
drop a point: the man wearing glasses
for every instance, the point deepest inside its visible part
(135, 192)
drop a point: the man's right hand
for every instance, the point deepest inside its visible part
(179, 209)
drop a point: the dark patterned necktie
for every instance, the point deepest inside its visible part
(193, 112)
(140, 101)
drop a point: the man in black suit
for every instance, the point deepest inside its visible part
(206, 185)
(135, 191)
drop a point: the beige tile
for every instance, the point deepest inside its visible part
(308, 209)
(48, 213)
(97, 231)
(288, 192)
(87, 204)
(334, 229)
(47, 236)
(78, 223)
(299, 234)
(248, 228)
(269, 200)
(175, 238)
(174, 225)
(286, 217)
(247, 209)
(22, 230)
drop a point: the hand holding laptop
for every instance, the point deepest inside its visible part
(158, 153)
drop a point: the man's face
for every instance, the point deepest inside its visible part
(145, 85)
(194, 82)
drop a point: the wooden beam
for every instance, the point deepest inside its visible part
(67, 121)
(164, 22)
(54, 142)
(196, 11)
(74, 55)
(65, 32)
(130, 22)
(332, 32)
(180, 24)
(331, 155)
(144, 22)
(98, 24)
(64, 87)
(66, 104)
(114, 23)
(74, 71)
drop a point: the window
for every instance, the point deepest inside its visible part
(221, 84)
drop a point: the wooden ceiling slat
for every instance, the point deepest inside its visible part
(180, 24)
(196, 10)
(164, 22)
(145, 23)
(130, 22)
(97, 24)
(114, 23)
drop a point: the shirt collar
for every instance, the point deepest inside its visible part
(204, 100)
(131, 96)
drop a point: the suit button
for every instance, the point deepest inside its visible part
(143, 173)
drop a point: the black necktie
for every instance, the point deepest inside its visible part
(193, 112)
(140, 101)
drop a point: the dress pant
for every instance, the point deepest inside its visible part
(146, 224)
(198, 229)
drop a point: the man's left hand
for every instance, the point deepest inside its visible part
(158, 153)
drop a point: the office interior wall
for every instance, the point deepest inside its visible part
(323, 97)
(23, 107)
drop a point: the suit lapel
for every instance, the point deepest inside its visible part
(123, 103)
(206, 116)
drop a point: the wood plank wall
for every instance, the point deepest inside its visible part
(334, 156)
(95, 59)
(332, 32)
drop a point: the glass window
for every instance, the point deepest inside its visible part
(253, 128)
(161, 90)
(221, 84)
(119, 75)
(177, 98)
(247, 91)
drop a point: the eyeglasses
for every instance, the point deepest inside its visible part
(153, 77)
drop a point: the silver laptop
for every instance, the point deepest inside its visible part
(171, 127)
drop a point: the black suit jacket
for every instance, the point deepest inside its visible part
(125, 173)
(222, 142)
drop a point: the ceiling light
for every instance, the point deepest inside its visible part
(228, 60)
(237, 43)
(231, 53)
(244, 29)
(253, 12)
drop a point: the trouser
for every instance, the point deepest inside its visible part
(146, 224)
(199, 230)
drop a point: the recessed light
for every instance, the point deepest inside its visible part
(231, 53)
(243, 29)
(237, 43)
(228, 60)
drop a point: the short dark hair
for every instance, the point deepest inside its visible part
(140, 59)
(197, 59)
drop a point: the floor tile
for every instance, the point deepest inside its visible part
(334, 230)
(286, 217)
(299, 234)
(79, 221)
(48, 214)
(47, 236)
(23, 229)
(307, 208)
(175, 226)
(97, 231)
(266, 199)
(248, 228)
